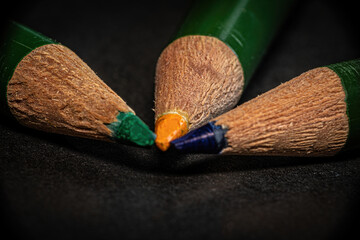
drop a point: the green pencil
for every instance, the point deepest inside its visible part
(202, 73)
(314, 114)
(46, 86)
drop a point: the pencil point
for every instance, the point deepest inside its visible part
(131, 128)
(209, 138)
(169, 127)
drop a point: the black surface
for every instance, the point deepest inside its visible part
(58, 187)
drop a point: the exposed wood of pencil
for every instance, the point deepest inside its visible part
(305, 116)
(199, 76)
(53, 90)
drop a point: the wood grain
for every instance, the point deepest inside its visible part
(53, 90)
(198, 76)
(303, 117)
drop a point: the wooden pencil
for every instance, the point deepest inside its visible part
(202, 73)
(46, 86)
(314, 114)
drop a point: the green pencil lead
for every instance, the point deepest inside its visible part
(129, 127)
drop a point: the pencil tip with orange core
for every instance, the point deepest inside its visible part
(169, 127)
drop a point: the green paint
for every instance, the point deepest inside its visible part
(349, 72)
(129, 127)
(17, 41)
(246, 26)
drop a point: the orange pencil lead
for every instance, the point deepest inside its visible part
(169, 127)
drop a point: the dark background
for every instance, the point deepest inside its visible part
(59, 187)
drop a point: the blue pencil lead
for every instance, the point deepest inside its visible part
(209, 138)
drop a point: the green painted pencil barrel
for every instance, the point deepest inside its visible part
(246, 26)
(17, 41)
(349, 73)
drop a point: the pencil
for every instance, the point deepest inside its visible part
(314, 114)
(46, 86)
(202, 73)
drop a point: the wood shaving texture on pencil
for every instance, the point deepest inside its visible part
(199, 76)
(53, 90)
(303, 117)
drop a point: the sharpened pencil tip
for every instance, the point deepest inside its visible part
(129, 127)
(169, 127)
(209, 138)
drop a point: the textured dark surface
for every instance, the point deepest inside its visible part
(58, 187)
